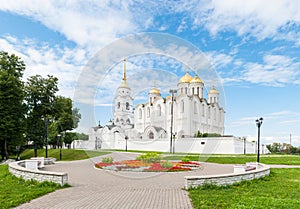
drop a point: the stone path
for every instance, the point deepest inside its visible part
(93, 188)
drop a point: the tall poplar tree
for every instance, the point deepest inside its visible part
(12, 108)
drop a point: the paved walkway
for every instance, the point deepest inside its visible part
(93, 188)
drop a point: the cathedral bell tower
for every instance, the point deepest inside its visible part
(123, 112)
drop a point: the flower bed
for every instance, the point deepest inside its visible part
(142, 166)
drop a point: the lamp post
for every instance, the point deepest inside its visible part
(96, 143)
(258, 124)
(60, 143)
(172, 91)
(244, 145)
(126, 138)
(174, 142)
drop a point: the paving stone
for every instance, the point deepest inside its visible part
(94, 188)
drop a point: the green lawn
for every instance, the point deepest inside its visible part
(241, 159)
(279, 190)
(67, 154)
(15, 191)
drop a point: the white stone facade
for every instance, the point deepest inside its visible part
(191, 112)
(150, 122)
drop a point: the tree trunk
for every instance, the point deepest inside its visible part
(35, 150)
(5, 150)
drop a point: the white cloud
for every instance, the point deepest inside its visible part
(65, 64)
(276, 70)
(260, 19)
(87, 23)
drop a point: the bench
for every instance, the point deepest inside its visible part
(32, 164)
(41, 161)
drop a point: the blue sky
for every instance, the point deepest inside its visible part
(253, 47)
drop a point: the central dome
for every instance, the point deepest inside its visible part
(186, 78)
(154, 91)
(196, 79)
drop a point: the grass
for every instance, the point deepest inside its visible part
(67, 154)
(279, 190)
(241, 159)
(15, 191)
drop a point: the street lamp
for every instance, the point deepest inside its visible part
(174, 134)
(96, 143)
(126, 138)
(172, 92)
(258, 124)
(60, 143)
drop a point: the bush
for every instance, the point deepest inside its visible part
(151, 157)
(166, 164)
(186, 159)
(205, 135)
(107, 160)
(198, 134)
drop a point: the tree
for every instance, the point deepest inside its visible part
(66, 118)
(69, 137)
(12, 108)
(40, 95)
(82, 136)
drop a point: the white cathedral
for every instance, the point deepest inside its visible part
(178, 117)
(186, 107)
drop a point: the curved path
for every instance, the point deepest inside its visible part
(93, 188)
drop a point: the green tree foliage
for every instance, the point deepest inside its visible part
(82, 136)
(12, 108)
(69, 137)
(283, 148)
(40, 95)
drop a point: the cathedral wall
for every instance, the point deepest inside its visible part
(212, 145)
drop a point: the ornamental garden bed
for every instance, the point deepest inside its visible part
(150, 162)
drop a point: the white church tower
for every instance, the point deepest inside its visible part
(123, 110)
(213, 95)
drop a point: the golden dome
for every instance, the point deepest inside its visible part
(154, 91)
(186, 78)
(196, 79)
(213, 90)
(168, 97)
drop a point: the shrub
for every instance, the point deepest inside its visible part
(186, 159)
(107, 160)
(198, 134)
(205, 135)
(166, 164)
(151, 157)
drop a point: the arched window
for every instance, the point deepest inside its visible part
(119, 105)
(193, 91)
(182, 106)
(181, 90)
(151, 135)
(140, 113)
(148, 112)
(195, 107)
(127, 106)
(117, 121)
(198, 91)
(159, 110)
(185, 90)
(128, 121)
